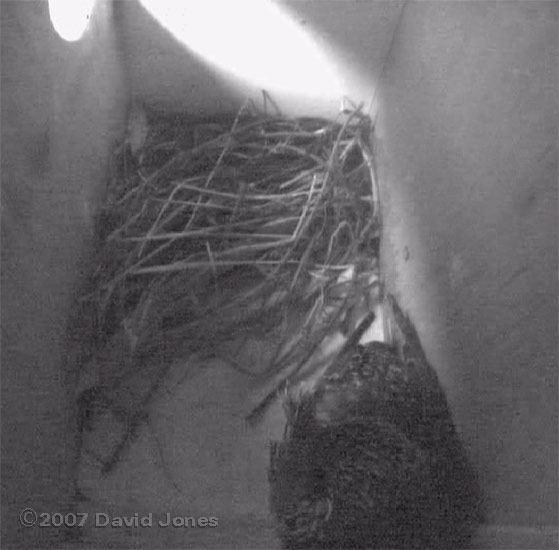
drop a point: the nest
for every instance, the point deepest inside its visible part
(217, 228)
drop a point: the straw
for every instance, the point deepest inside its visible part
(274, 207)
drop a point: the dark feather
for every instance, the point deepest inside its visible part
(371, 458)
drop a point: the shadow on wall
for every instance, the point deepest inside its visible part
(62, 106)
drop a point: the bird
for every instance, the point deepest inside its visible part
(370, 456)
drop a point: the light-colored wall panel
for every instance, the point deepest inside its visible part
(62, 106)
(163, 71)
(467, 140)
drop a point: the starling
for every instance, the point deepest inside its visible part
(370, 456)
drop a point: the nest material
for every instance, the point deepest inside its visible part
(213, 229)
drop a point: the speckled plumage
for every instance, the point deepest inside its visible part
(371, 458)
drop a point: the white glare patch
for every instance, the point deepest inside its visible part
(253, 40)
(70, 18)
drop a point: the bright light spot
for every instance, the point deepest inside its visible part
(70, 17)
(253, 40)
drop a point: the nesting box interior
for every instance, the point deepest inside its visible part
(463, 103)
